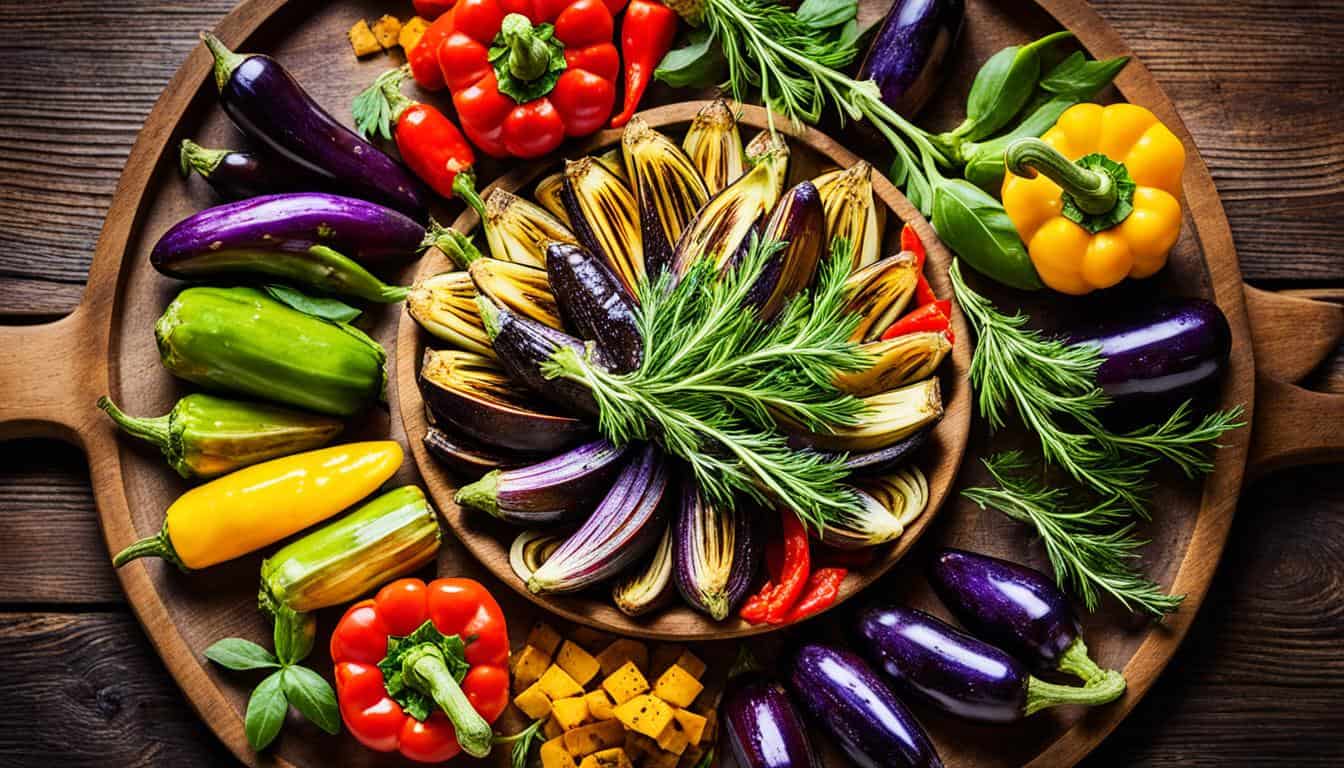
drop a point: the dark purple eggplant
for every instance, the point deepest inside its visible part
(309, 238)
(716, 553)
(523, 344)
(238, 175)
(550, 491)
(908, 54)
(595, 305)
(889, 458)
(466, 457)
(761, 726)
(626, 524)
(1163, 354)
(799, 221)
(963, 676)
(270, 106)
(866, 719)
(1014, 607)
(471, 394)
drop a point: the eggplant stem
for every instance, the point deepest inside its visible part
(1076, 661)
(193, 156)
(1108, 687)
(226, 61)
(153, 430)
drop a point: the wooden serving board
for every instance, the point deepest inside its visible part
(50, 376)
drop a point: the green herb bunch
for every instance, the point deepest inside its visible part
(715, 379)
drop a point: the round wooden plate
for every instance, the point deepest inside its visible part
(810, 153)
(50, 376)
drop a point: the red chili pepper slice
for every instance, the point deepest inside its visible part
(823, 587)
(646, 35)
(929, 317)
(796, 567)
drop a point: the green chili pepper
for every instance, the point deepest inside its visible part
(206, 436)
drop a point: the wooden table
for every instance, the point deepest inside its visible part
(1260, 679)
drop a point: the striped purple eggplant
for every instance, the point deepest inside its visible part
(798, 221)
(551, 491)
(717, 553)
(595, 305)
(620, 531)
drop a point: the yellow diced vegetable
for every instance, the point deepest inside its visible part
(554, 755)
(607, 758)
(692, 664)
(594, 738)
(570, 713)
(551, 729)
(625, 683)
(677, 686)
(557, 684)
(544, 638)
(599, 705)
(691, 723)
(577, 662)
(385, 30)
(411, 32)
(362, 39)
(645, 714)
(528, 664)
(673, 738)
(533, 702)
(614, 656)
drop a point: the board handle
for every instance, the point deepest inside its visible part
(1291, 335)
(44, 392)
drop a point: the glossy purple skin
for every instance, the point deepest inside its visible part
(798, 219)
(595, 305)
(294, 222)
(907, 55)
(761, 726)
(886, 459)
(270, 106)
(554, 490)
(523, 344)
(864, 716)
(240, 175)
(1011, 606)
(748, 552)
(1165, 354)
(465, 458)
(944, 666)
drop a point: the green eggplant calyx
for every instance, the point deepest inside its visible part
(1076, 661)
(194, 157)
(1108, 687)
(482, 494)
(156, 430)
(456, 245)
(158, 545)
(490, 319)
(226, 61)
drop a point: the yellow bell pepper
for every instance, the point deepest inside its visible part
(1097, 198)
(259, 505)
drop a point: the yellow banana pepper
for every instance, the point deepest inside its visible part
(1097, 198)
(259, 505)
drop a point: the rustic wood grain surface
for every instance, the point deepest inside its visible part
(1260, 680)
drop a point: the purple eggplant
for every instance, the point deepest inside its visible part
(963, 676)
(886, 459)
(761, 726)
(270, 106)
(717, 552)
(625, 525)
(522, 345)
(309, 238)
(466, 457)
(238, 175)
(863, 715)
(1163, 354)
(1014, 607)
(595, 305)
(551, 491)
(908, 54)
(799, 221)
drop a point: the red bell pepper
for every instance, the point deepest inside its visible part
(429, 10)
(423, 669)
(823, 587)
(423, 58)
(646, 36)
(773, 603)
(428, 141)
(930, 317)
(527, 73)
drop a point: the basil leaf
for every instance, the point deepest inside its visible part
(1078, 78)
(265, 712)
(240, 654)
(697, 64)
(324, 307)
(824, 14)
(984, 161)
(1002, 86)
(975, 226)
(312, 696)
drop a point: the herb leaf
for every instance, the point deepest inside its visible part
(237, 653)
(971, 222)
(1079, 78)
(265, 712)
(824, 14)
(312, 695)
(324, 307)
(697, 64)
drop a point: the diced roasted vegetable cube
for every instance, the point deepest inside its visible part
(645, 714)
(691, 723)
(570, 713)
(692, 664)
(621, 651)
(673, 738)
(595, 737)
(677, 686)
(528, 664)
(557, 684)
(554, 755)
(577, 662)
(600, 705)
(544, 638)
(551, 729)
(386, 30)
(362, 39)
(625, 683)
(533, 702)
(411, 32)
(607, 758)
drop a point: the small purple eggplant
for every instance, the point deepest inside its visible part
(907, 55)
(761, 726)
(551, 491)
(966, 677)
(595, 305)
(1014, 607)
(717, 552)
(238, 175)
(522, 345)
(863, 715)
(465, 457)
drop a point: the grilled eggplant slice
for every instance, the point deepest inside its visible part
(668, 189)
(445, 306)
(887, 506)
(595, 305)
(852, 212)
(896, 362)
(650, 587)
(890, 417)
(549, 192)
(466, 457)
(552, 491)
(530, 549)
(798, 221)
(472, 394)
(518, 230)
(880, 292)
(715, 147)
(605, 218)
(889, 458)
(717, 553)
(521, 288)
(522, 345)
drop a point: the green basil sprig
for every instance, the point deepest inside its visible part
(974, 225)
(1002, 87)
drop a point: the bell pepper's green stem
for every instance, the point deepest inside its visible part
(154, 430)
(226, 61)
(193, 156)
(1109, 686)
(158, 545)
(529, 55)
(1093, 192)
(423, 669)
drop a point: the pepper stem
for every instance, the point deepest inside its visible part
(193, 156)
(529, 55)
(154, 430)
(423, 669)
(226, 61)
(390, 83)
(1093, 192)
(464, 186)
(158, 545)
(1107, 687)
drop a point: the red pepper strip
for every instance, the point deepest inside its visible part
(929, 317)
(796, 567)
(754, 609)
(823, 587)
(646, 36)
(429, 10)
(910, 242)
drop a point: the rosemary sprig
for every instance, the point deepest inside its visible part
(714, 379)
(1092, 550)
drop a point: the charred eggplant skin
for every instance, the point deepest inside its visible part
(462, 456)
(889, 458)
(908, 54)
(798, 220)
(863, 715)
(762, 727)
(1012, 606)
(523, 344)
(270, 106)
(595, 305)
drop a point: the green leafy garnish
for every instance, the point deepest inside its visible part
(324, 307)
(289, 683)
(413, 702)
